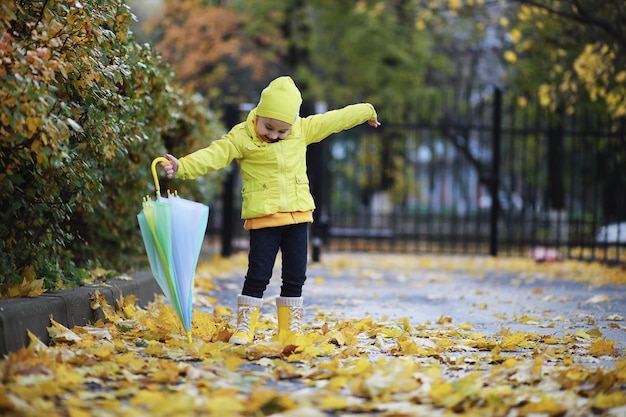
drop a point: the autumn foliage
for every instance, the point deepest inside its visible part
(212, 51)
(570, 52)
(136, 361)
(84, 110)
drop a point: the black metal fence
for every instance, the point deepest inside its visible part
(487, 174)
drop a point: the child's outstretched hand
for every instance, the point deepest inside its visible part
(171, 168)
(373, 123)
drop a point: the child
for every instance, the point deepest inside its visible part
(270, 147)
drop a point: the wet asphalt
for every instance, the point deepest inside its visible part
(387, 289)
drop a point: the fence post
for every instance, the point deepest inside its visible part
(316, 173)
(315, 165)
(230, 118)
(495, 171)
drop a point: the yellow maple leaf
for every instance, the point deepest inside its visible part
(29, 287)
(509, 363)
(77, 412)
(537, 366)
(602, 347)
(224, 405)
(167, 320)
(61, 334)
(130, 361)
(407, 346)
(67, 378)
(550, 340)
(529, 320)
(512, 341)
(440, 391)
(213, 350)
(154, 348)
(204, 325)
(406, 325)
(262, 400)
(128, 306)
(326, 349)
(104, 350)
(577, 373)
(387, 377)
(165, 372)
(391, 332)
(595, 332)
(338, 383)
(338, 338)
(333, 402)
(582, 334)
(545, 405)
(172, 404)
(233, 362)
(467, 387)
(98, 301)
(465, 326)
(263, 349)
(357, 366)
(306, 353)
(607, 401)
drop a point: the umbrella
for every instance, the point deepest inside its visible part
(173, 229)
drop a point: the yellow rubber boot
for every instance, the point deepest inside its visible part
(290, 313)
(247, 318)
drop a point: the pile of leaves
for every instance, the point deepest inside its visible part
(138, 362)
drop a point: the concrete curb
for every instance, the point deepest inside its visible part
(69, 307)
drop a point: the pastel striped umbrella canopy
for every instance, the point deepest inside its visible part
(173, 230)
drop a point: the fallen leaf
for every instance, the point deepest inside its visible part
(137, 361)
(61, 334)
(598, 298)
(602, 347)
(612, 400)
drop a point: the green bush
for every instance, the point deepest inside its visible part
(84, 109)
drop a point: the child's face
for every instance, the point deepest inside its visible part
(271, 130)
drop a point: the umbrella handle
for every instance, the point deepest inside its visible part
(154, 173)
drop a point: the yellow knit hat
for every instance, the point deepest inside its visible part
(280, 100)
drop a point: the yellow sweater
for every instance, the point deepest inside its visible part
(279, 219)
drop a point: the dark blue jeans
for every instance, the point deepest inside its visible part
(292, 240)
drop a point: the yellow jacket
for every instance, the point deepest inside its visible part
(274, 175)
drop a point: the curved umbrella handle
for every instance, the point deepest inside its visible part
(154, 173)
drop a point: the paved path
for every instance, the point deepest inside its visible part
(455, 288)
(381, 287)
